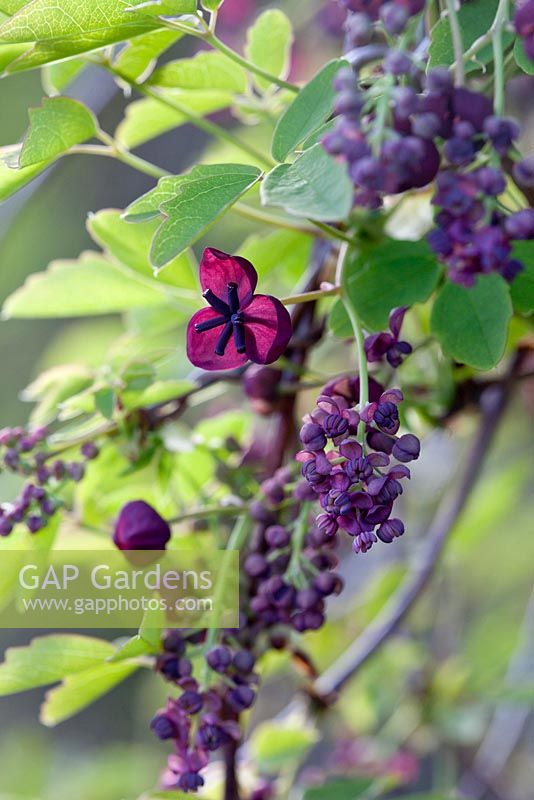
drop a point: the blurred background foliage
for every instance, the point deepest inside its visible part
(455, 684)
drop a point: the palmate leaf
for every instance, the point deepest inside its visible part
(206, 70)
(48, 659)
(307, 112)
(90, 286)
(471, 324)
(139, 56)
(167, 8)
(80, 690)
(147, 119)
(191, 204)
(269, 43)
(57, 77)
(56, 126)
(313, 186)
(381, 277)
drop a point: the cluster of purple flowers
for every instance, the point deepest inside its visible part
(394, 14)
(284, 590)
(201, 721)
(26, 453)
(524, 24)
(357, 483)
(444, 133)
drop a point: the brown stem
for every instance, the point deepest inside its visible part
(493, 404)
(231, 785)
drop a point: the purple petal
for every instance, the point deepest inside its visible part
(396, 319)
(361, 500)
(268, 329)
(399, 471)
(218, 269)
(377, 345)
(392, 396)
(201, 346)
(350, 449)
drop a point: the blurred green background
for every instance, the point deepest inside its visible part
(457, 680)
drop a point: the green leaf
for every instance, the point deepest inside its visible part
(90, 286)
(339, 789)
(48, 659)
(57, 77)
(11, 180)
(80, 690)
(43, 20)
(206, 70)
(313, 186)
(157, 392)
(522, 287)
(55, 127)
(168, 8)
(201, 197)
(105, 402)
(521, 58)
(475, 19)
(130, 245)
(147, 119)
(139, 57)
(212, 5)
(268, 45)
(52, 387)
(471, 324)
(392, 273)
(275, 747)
(307, 112)
(10, 53)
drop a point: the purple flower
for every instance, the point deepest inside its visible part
(140, 527)
(238, 326)
(380, 345)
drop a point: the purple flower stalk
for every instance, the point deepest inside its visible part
(238, 326)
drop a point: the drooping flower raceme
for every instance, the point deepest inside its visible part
(238, 326)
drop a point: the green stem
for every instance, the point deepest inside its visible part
(257, 215)
(309, 297)
(498, 56)
(236, 541)
(215, 42)
(332, 232)
(358, 336)
(457, 43)
(116, 150)
(195, 119)
(297, 542)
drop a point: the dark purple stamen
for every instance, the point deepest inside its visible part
(223, 339)
(216, 303)
(233, 298)
(232, 319)
(200, 327)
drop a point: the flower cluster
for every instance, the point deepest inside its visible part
(357, 483)
(238, 326)
(407, 129)
(199, 722)
(26, 453)
(524, 24)
(388, 345)
(385, 153)
(290, 563)
(394, 14)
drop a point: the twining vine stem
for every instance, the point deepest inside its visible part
(457, 43)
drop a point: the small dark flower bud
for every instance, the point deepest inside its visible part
(241, 698)
(407, 448)
(34, 523)
(307, 598)
(390, 530)
(190, 702)
(277, 536)
(174, 643)
(328, 583)
(394, 18)
(255, 565)
(163, 726)
(273, 490)
(243, 661)
(140, 527)
(219, 658)
(76, 471)
(11, 459)
(89, 450)
(312, 437)
(260, 513)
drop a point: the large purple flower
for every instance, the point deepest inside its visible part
(140, 527)
(238, 325)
